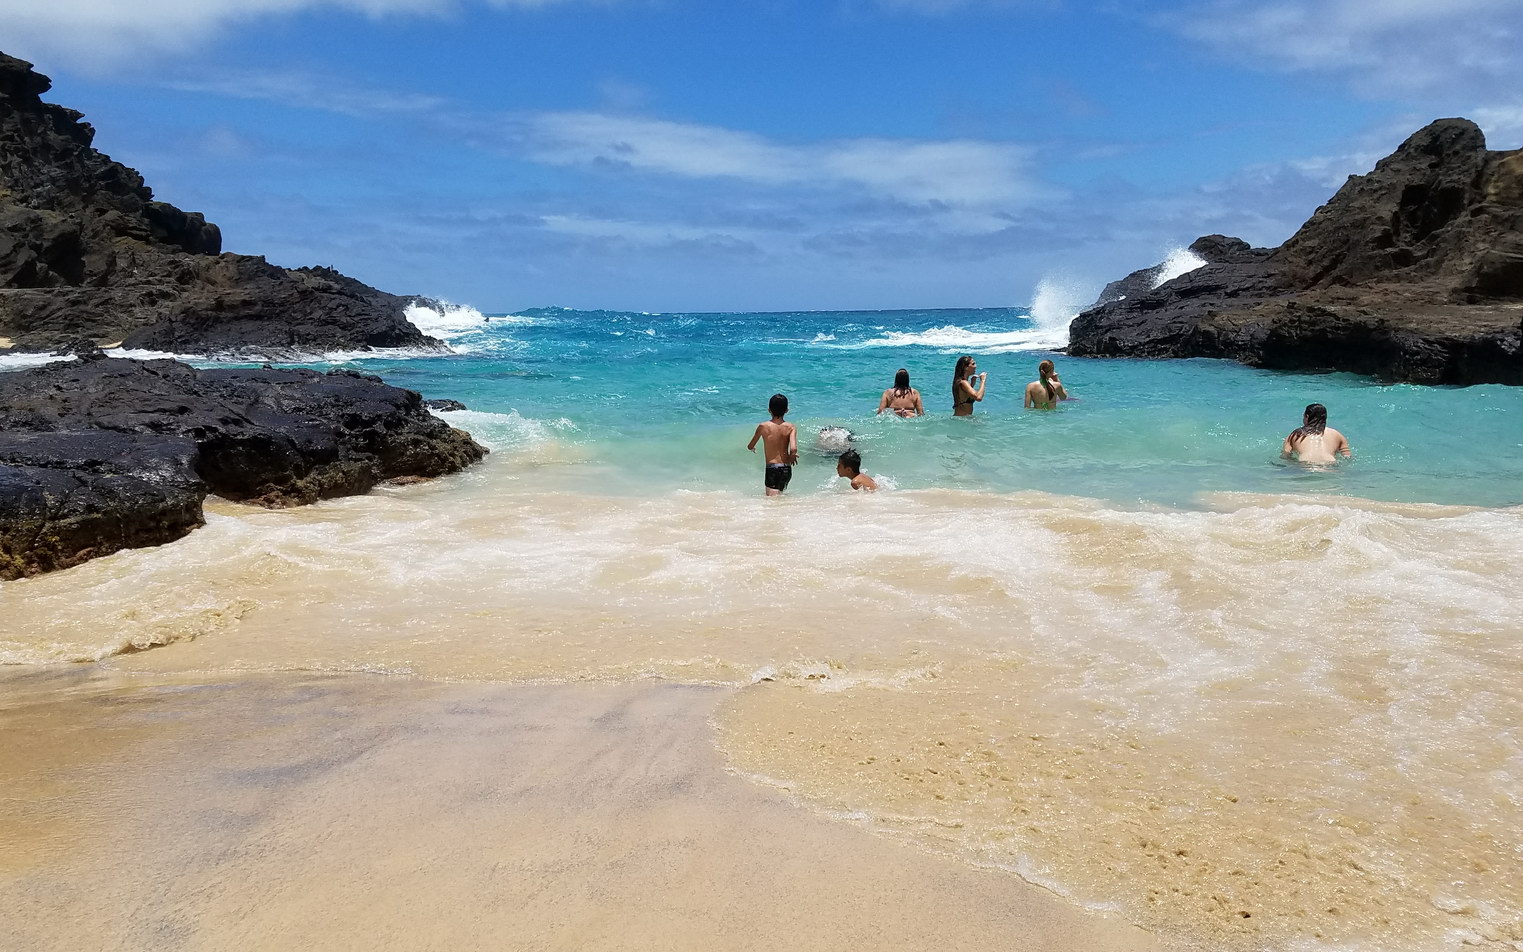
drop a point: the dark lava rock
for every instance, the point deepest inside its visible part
(444, 404)
(107, 454)
(68, 497)
(87, 252)
(1412, 272)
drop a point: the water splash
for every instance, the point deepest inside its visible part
(1180, 261)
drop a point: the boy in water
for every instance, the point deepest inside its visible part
(781, 441)
(849, 466)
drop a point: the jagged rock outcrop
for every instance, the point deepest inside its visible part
(1411, 272)
(103, 454)
(87, 252)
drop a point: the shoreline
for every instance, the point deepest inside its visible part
(338, 812)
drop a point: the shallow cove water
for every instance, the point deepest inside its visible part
(1120, 649)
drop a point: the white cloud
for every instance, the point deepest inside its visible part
(957, 172)
(104, 34)
(309, 91)
(1383, 45)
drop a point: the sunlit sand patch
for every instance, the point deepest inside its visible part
(356, 813)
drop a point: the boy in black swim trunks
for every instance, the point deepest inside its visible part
(781, 441)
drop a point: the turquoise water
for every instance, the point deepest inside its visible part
(642, 403)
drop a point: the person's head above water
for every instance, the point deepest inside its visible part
(963, 368)
(778, 405)
(850, 463)
(1045, 371)
(1314, 420)
(902, 380)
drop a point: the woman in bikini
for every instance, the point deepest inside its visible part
(1045, 392)
(964, 394)
(901, 398)
(1314, 441)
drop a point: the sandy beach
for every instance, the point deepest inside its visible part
(365, 813)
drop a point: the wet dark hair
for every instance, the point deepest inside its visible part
(902, 382)
(960, 372)
(852, 460)
(778, 405)
(1313, 422)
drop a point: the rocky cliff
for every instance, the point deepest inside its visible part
(1411, 272)
(86, 252)
(100, 454)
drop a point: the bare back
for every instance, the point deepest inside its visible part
(779, 440)
(905, 403)
(1324, 447)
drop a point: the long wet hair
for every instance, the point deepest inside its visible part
(1045, 369)
(960, 372)
(902, 383)
(1313, 422)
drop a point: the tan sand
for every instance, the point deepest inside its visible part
(352, 812)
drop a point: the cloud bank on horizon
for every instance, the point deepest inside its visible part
(667, 154)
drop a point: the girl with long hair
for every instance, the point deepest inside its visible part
(1045, 392)
(964, 393)
(901, 398)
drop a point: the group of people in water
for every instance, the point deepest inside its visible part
(1312, 442)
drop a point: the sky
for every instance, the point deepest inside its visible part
(670, 155)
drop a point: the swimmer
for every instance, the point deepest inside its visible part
(901, 398)
(849, 466)
(1045, 392)
(780, 439)
(833, 440)
(964, 395)
(1314, 441)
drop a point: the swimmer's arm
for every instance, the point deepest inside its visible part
(883, 403)
(1058, 385)
(1028, 397)
(1345, 451)
(919, 406)
(793, 444)
(983, 379)
(1287, 451)
(754, 437)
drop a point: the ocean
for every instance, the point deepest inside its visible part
(1121, 650)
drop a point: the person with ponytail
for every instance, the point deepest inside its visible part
(902, 398)
(1045, 392)
(964, 394)
(1314, 441)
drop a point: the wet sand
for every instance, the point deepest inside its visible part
(338, 812)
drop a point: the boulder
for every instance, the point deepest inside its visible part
(103, 454)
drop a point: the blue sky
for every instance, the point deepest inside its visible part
(760, 154)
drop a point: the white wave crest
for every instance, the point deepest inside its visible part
(443, 319)
(326, 357)
(1179, 262)
(23, 361)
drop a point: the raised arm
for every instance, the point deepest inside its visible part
(983, 378)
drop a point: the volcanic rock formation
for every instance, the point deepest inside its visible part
(103, 454)
(87, 253)
(1412, 272)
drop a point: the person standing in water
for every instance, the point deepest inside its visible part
(780, 439)
(1045, 392)
(902, 398)
(964, 395)
(1314, 441)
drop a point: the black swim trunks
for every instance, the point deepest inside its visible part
(778, 475)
